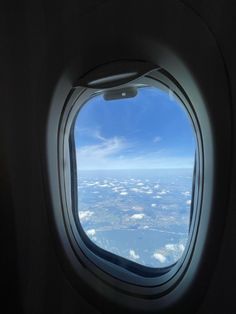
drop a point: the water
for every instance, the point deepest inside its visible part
(141, 215)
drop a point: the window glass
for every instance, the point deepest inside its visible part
(135, 159)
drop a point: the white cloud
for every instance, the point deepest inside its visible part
(91, 232)
(188, 202)
(93, 133)
(135, 190)
(157, 139)
(91, 184)
(138, 208)
(177, 248)
(163, 192)
(186, 193)
(123, 193)
(103, 185)
(98, 153)
(153, 205)
(85, 215)
(97, 134)
(106, 154)
(137, 216)
(160, 257)
(133, 255)
(181, 247)
(170, 247)
(101, 155)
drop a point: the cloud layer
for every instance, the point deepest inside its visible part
(114, 153)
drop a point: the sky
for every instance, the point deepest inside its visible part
(149, 131)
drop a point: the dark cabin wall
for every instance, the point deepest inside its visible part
(35, 37)
(31, 45)
(220, 17)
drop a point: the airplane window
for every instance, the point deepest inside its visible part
(134, 156)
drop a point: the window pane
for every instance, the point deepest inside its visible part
(135, 159)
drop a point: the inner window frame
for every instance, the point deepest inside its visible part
(101, 261)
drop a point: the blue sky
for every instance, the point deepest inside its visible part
(151, 130)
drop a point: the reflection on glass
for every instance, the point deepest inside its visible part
(135, 160)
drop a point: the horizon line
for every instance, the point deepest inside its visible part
(163, 168)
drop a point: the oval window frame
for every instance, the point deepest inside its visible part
(128, 280)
